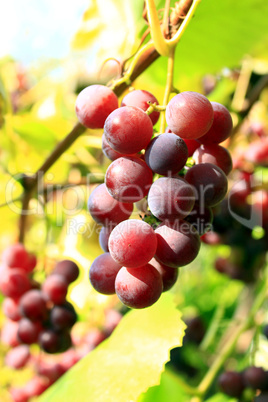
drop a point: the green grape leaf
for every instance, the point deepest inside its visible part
(220, 34)
(129, 362)
(221, 398)
(169, 390)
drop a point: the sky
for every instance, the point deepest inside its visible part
(33, 29)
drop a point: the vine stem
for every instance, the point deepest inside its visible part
(160, 43)
(168, 88)
(230, 344)
(173, 42)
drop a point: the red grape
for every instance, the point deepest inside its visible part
(9, 333)
(171, 198)
(189, 115)
(178, 243)
(17, 357)
(54, 342)
(221, 127)
(215, 154)
(110, 153)
(55, 288)
(11, 309)
(138, 287)
(192, 145)
(140, 98)
(105, 209)
(166, 154)
(132, 243)
(128, 130)
(257, 152)
(169, 275)
(28, 331)
(128, 179)
(36, 386)
(103, 272)
(15, 256)
(210, 183)
(33, 305)
(94, 104)
(68, 269)
(14, 282)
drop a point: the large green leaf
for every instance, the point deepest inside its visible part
(129, 362)
(169, 390)
(221, 33)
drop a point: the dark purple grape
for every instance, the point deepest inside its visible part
(54, 342)
(231, 383)
(171, 198)
(132, 243)
(209, 182)
(256, 378)
(166, 154)
(128, 179)
(201, 218)
(63, 317)
(128, 130)
(215, 154)
(221, 127)
(140, 98)
(103, 272)
(68, 269)
(178, 243)
(94, 104)
(105, 209)
(169, 275)
(138, 287)
(189, 115)
(195, 330)
(33, 305)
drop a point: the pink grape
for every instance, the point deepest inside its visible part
(128, 179)
(221, 127)
(103, 272)
(105, 209)
(132, 243)
(178, 243)
(138, 287)
(209, 182)
(171, 198)
(94, 104)
(189, 115)
(140, 98)
(169, 275)
(128, 130)
(215, 154)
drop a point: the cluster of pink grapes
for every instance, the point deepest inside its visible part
(141, 261)
(37, 314)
